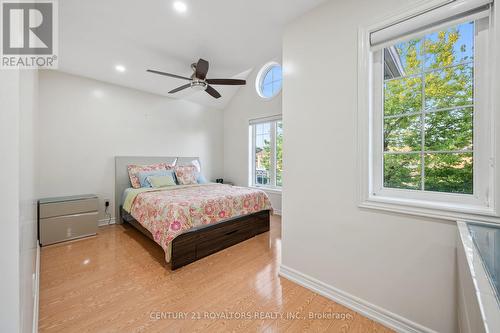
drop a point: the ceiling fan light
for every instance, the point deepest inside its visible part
(180, 7)
(120, 68)
(199, 85)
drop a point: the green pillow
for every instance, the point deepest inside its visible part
(161, 181)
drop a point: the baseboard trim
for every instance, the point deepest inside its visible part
(277, 212)
(378, 314)
(105, 222)
(36, 303)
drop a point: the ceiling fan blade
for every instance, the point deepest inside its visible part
(201, 69)
(227, 82)
(180, 88)
(212, 92)
(168, 74)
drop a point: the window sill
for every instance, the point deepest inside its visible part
(267, 189)
(451, 212)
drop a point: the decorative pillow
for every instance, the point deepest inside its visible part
(186, 175)
(143, 176)
(197, 164)
(133, 170)
(161, 181)
(200, 179)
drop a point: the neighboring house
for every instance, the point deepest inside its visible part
(392, 63)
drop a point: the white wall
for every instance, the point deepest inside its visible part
(246, 105)
(85, 123)
(28, 194)
(17, 199)
(403, 264)
(9, 203)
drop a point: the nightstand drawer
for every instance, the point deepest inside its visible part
(54, 209)
(62, 228)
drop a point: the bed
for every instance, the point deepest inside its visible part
(192, 221)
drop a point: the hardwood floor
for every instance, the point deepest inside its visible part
(117, 282)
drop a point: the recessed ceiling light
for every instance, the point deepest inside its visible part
(120, 68)
(180, 7)
(97, 93)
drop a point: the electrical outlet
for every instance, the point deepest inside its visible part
(106, 203)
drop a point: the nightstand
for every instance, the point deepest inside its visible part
(66, 218)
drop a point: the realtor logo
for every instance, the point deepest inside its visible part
(29, 34)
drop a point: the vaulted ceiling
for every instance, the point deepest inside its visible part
(233, 35)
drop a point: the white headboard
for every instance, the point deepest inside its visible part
(122, 180)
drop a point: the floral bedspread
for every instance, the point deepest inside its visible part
(169, 212)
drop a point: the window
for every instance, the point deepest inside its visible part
(266, 152)
(428, 97)
(428, 112)
(269, 80)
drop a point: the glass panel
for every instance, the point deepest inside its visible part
(262, 154)
(271, 84)
(267, 90)
(449, 87)
(402, 171)
(403, 59)
(448, 172)
(449, 130)
(268, 78)
(277, 73)
(402, 96)
(450, 47)
(279, 153)
(276, 87)
(264, 128)
(487, 240)
(402, 134)
(435, 73)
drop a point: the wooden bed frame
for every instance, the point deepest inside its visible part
(198, 242)
(203, 241)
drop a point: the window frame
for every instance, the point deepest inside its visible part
(482, 205)
(252, 156)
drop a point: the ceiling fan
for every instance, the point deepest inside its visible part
(199, 79)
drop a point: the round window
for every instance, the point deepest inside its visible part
(269, 80)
